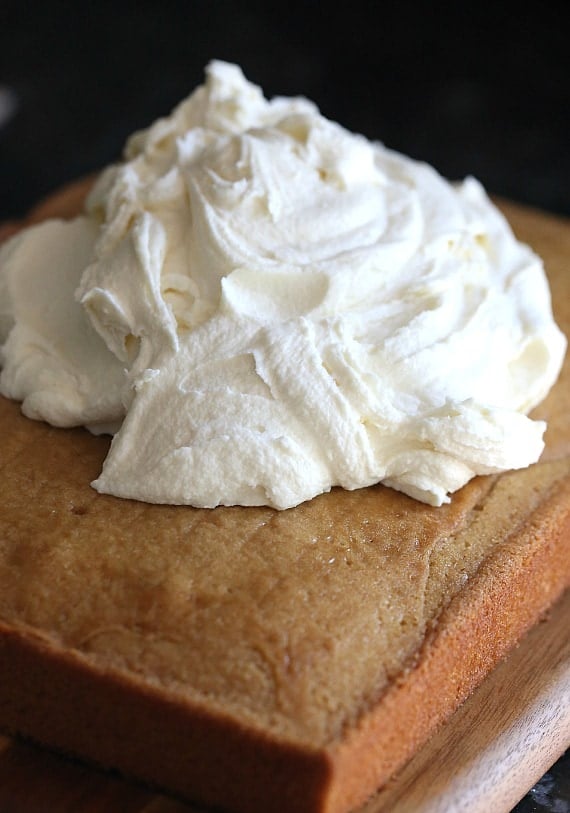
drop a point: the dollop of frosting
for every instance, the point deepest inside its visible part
(262, 305)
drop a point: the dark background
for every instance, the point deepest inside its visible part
(472, 89)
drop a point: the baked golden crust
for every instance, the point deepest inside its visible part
(258, 659)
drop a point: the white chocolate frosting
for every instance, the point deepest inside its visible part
(263, 305)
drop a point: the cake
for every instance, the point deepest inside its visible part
(257, 660)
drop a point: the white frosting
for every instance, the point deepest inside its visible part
(280, 306)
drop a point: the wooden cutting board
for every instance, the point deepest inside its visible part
(511, 730)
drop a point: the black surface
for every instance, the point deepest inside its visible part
(471, 88)
(552, 793)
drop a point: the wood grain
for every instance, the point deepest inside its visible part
(485, 759)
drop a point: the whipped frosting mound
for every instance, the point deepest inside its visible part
(262, 305)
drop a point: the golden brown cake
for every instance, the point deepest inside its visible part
(260, 660)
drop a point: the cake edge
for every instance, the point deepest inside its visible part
(512, 591)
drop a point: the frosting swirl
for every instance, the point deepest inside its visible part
(282, 306)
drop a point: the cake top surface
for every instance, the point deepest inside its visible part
(295, 621)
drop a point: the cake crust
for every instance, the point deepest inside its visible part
(259, 660)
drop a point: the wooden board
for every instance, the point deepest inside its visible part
(491, 752)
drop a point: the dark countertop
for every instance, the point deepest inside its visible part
(470, 89)
(552, 793)
(471, 92)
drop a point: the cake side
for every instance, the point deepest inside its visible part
(483, 570)
(61, 699)
(512, 591)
